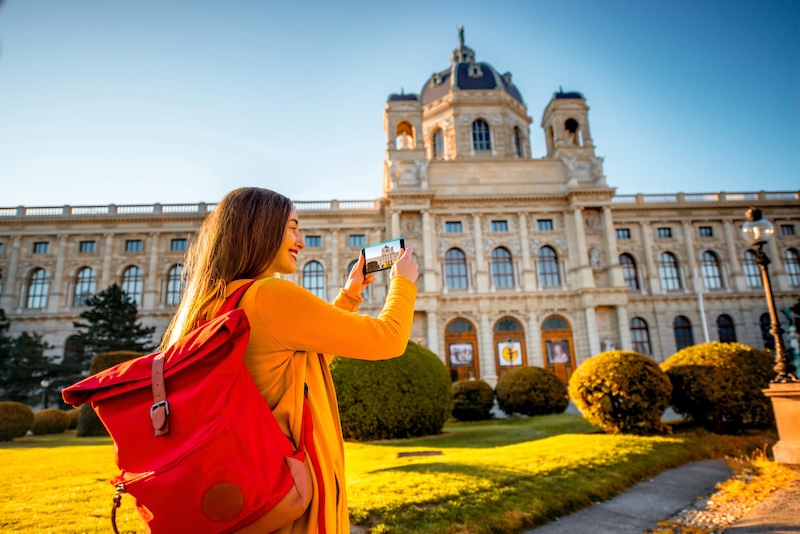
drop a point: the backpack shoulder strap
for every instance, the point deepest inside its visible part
(233, 301)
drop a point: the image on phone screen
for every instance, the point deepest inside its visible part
(382, 256)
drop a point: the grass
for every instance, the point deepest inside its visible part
(494, 476)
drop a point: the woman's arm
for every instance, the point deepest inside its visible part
(301, 321)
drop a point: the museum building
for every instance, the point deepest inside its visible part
(523, 260)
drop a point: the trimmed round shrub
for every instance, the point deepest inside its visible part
(718, 385)
(50, 421)
(402, 397)
(74, 414)
(622, 392)
(472, 400)
(531, 391)
(15, 420)
(88, 422)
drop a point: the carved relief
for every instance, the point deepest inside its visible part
(580, 171)
(562, 244)
(515, 246)
(595, 258)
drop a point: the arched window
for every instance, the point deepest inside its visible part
(518, 149)
(132, 283)
(175, 285)
(573, 132)
(766, 336)
(752, 272)
(85, 287)
(459, 326)
(792, 266)
(481, 135)
(668, 271)
(365, 293)
(502, 269)
(683, 332)
(438, 144)
(548, 267)
(725, 329)
(640, 336)
(404, 139)
(314, 278)
(712, 274)
(38, 287)
(455, 269)
(629, 274)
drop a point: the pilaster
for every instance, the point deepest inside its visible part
(151, 296)
(108, 249)
(56, 297)
(8, 296)
(527, 276)
(481, 275)
(614, 268)
(623, 324)
(430, 268)
(591, 331)
(647, 245)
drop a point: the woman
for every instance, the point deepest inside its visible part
(254, 234)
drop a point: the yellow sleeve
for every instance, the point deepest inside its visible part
(300, 321)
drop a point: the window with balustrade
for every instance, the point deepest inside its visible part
(132, 283)
(455, 269)
(314, 278)
(752, 272)
(640, 336)
(711, 270)
(502, 268)
(548, 267)
(38, 287)
(175, 285)
(629, 273)
(668, 272)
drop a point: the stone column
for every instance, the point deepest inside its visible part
(614, 268)
(151, 297)
(430, 267)
(338, 281)
(652, 271)
(8, 300)
(584, 277)
(737, 280)
(623, 324)
(434, 343)
(481, 276)
(485, 339)
(591, 331)
(56, 297)
(108, 248)
(534, 342)
(395, 224)
(688, 240)
(527, 276)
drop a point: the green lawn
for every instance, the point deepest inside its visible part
(495, 476)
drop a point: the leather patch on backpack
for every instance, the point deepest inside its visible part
(223, 501)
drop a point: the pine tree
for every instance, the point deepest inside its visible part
(111, 325)
(23, 364)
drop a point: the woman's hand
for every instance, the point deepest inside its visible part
(405, 265)
(357, 282)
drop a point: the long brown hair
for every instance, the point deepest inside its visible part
(239, 239)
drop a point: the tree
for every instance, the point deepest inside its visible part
(23, 364)
(111, 325)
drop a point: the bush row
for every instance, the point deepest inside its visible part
(16, 419)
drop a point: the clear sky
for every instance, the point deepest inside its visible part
(143, 101)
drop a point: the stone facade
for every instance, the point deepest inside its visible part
(518, 255)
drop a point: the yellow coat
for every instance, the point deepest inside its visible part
(290, 326)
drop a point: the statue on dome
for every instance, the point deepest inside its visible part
(461, 35)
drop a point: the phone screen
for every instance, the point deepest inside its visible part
(382, 256)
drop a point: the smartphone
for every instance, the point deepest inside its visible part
(382, 256)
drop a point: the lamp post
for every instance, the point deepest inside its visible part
(757, 232)
(784, 390)
(45, 383)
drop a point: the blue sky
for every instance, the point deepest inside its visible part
(176, 101)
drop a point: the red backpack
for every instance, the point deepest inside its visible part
(197, 445)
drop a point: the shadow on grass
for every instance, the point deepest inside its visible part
(496, 432)
(50, 441)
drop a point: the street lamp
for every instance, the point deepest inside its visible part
(45, 383)
(757, 231)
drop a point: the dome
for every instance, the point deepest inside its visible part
(465, 74)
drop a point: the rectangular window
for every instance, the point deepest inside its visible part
(356, 240)
(664, 233)
(314, 241)
(133, 245)
(178, 244)
(499, 226)
(452, 227)
(544, 225)
(787, 229)
(41, 247)
(623, 233)
(706, 231)
(87, 247)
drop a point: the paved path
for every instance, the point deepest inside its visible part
(642, 506)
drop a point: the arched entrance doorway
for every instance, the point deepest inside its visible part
(461, 341)
(509, 346)
(557, 346)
